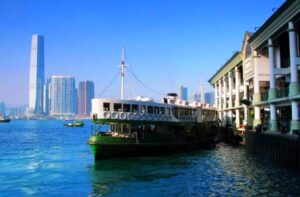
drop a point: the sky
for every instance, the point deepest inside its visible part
(167, 42)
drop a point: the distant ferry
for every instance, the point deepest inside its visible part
(4, 119)
(140, 127)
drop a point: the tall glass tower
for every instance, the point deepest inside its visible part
(37, 75)
(183, 93)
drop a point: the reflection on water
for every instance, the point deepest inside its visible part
(41, 158)
(225, 171)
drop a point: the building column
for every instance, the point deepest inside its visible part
(224, 99)
(237, 97)
(237, 87)
(273, 120)
(272, 90)
(230, 96)
(216, 95)
(220, 99)
(245, 121)
(295, 125)
(256, 94)
(224, 92)
(294, 84)
(237, 118)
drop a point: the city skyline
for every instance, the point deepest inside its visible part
(173, 36)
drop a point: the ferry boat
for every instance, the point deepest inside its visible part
(4, 119)
(142, 127)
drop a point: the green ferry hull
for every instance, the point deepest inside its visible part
(115, 150)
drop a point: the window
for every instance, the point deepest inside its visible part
(118, 107)
(126, 108)
(156, 110)
(175, 111)
(106, 107)
(162, 110)
(150, 110)
(143, 110)
(168, 111)
(134, 108)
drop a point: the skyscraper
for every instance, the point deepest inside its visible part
(37, 75)
(183, 93)
(2, 109)
(85, 95)
(62, 94)
(210, 98)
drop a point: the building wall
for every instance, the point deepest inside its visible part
(62, 96)
(85, 96)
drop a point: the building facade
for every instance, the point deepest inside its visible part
(259, 85)
(183, 93)
(37, 75)
(62, 96)
(85, 96)
(278, 41)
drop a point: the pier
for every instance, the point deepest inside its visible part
(282, 149)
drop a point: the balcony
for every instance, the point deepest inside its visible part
(283, 92)
(264, 96)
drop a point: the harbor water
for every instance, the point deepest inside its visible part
(43, 158)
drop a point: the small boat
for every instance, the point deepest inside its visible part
(4, 120)
(76, 123)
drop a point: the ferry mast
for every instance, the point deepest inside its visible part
(123, 66)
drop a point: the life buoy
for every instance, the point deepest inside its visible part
(115, 115)
(130, 116)
(123, 116)
(106, 114)
(136, 116)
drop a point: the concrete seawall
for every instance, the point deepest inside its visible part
(284, 150)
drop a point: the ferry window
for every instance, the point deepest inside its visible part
(175, 111)
(106, 106)
(150, 110)
(168, 111)
(156, 110)
(134, 108)
(126, 108)
(117, 107)
(143, 110)
(162, 110)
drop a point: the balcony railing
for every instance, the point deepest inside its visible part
(264, 96)
(283, 92)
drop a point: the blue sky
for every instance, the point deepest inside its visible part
(168, 42)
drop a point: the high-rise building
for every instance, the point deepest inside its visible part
(209, 98)
(183, 93)
(47, 96)
(2, 109)
(85, 95)
(37, 75)
(62, 94)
